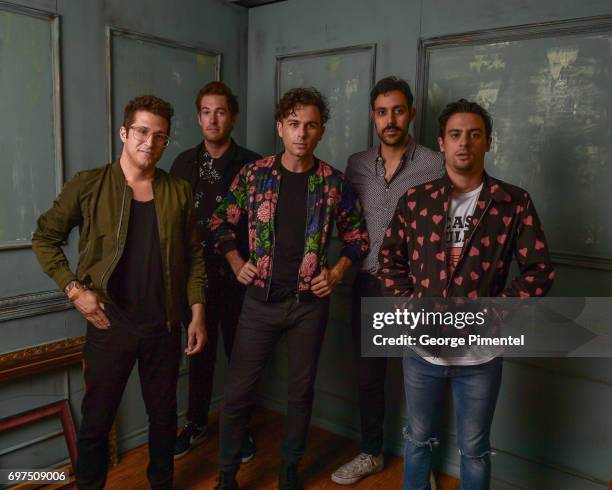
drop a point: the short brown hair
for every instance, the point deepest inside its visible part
(148, 103)
(463, 105)
(390, 84)
(297, 97)
(218, 88)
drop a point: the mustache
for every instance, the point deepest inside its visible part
(392, 126)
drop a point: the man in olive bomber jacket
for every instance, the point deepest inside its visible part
(140, 264)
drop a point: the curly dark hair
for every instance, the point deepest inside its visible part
(389, 84)
(218, 88)
(148, 103)
(300, 96)
(463, 105)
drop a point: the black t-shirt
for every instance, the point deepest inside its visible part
(289, 232)
(137, 283)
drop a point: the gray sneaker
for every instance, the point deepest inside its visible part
(362, 465)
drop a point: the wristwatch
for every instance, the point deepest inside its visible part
(74, 287)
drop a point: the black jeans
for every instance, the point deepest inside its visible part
(108, 359)
(223, 303)
(259, 329)
(371, 372)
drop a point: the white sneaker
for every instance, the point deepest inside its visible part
(362, 465)
(432, 481)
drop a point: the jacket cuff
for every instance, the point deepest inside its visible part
(226, 246)
(195, 295)
(350, 253)
(63, 277)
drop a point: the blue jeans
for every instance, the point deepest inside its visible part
(475, 390)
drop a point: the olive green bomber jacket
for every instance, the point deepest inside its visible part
(98, 202)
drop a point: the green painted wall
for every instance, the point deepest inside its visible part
(552, 427)
(211, 24)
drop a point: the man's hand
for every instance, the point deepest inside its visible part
(88, 305)
(196, 331)
(325, 282)
(245, 272)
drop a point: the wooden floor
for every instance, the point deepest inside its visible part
(325, 452)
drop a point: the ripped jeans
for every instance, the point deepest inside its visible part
(474, 391)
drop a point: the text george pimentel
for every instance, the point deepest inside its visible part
(458, 320)
(425, 340)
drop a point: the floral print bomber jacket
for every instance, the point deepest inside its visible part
(254, 192)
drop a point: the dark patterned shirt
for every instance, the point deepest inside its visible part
(365, 172)
(208, 193)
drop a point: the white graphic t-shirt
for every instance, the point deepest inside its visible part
(460, 212)
(459, 216)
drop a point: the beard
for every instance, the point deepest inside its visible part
(399, 138)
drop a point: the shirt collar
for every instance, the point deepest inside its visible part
(224, 160)
(408, 155)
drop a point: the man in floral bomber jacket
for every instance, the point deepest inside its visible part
(456, 237)
(291, 201)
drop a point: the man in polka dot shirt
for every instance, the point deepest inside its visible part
(379, 176)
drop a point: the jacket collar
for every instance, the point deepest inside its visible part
(491, 189)
(276, 165)
(118, 172)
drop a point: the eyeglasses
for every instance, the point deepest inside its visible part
(142, 134)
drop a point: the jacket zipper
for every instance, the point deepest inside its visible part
(162, 248)
(269, 280)
(117, 237)
(297, 291)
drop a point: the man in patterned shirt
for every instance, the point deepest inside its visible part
(457, 237)
(210, 167)
(379, 176)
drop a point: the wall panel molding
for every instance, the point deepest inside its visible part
(488, 59)
(581, 261)
(22, 212)
(114, 33)
(341, 93)
(33, 304)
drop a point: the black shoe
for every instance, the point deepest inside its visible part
(248, 449)
(191, 436)
(227, 481)
(288, 477)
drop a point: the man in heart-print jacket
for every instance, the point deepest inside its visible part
(504, 225)
(456, 237)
